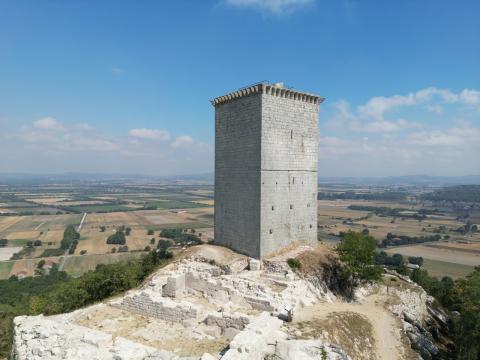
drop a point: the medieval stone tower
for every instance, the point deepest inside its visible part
(266, 152)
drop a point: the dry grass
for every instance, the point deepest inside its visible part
(7, 221)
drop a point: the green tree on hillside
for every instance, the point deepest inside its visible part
(357, 250)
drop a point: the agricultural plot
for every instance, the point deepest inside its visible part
(78, 265)
(443, 268)
(37, 222)
(93, 241)
(7, 252)
(174, 204)
(438, 254)
(5, 269)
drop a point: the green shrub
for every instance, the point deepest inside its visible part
(294, 263)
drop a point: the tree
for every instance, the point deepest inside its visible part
(37, 243)
(102, 228)
(3, 242)
(40, 264)
(118, 238)
(127, 231)
(358, 251)
(150, 232)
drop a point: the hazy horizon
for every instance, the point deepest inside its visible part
(124, 88)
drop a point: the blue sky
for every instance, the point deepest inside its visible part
(124, 86)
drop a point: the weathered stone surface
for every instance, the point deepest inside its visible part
(254, 264)
(266, 145)
(308, 350)
(211, 306)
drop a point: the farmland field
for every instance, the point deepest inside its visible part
(77, 265)
(443, 268)
(5, 268)
(438, 254)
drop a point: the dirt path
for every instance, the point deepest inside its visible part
(389, 340)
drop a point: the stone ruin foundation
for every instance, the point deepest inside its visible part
(191, 309)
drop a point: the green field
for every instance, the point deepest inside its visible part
(80, 264)
(104, 208)
(443, 268)
(174, 204)
(18, 242)
(5, 268)
(190, 225)
(43, 222)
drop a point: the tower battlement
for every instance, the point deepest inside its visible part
(269, 89)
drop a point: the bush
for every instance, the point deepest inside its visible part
(83, 252)
(417, 260)
(150, 232)
(164, 244)
(40, 264)
(128, 231)
(294, 263)
(3, 242)
(52, 252)
(118, 238)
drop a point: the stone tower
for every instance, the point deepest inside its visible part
(266, 155)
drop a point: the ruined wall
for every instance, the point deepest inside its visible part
(158, 307)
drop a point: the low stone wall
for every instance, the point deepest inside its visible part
(224, 321)
(160, 308)
(260, 304)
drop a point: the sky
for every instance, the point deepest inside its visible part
(118, 86)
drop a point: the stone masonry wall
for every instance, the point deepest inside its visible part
(289, 172)
(237, 180)
(161, 308)
(266, 155)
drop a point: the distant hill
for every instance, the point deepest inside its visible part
(419, 180)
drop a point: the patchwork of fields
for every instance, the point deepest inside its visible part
(178, 207)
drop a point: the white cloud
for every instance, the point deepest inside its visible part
(373, 116)
(453, 151)
(47, 123)
(81, 148)
(436, 109)
(151, 134)
(344, 119)
(272, 6)
(184, 141)
(470, 97)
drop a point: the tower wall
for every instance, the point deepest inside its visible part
(237, 174)
(266, 154)
(289, 172)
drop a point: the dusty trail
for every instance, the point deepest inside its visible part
(386, 328)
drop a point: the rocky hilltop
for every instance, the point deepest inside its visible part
(216, 304)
